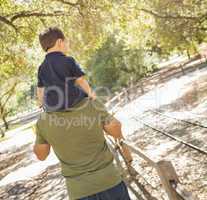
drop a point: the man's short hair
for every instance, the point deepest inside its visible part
(49, 37)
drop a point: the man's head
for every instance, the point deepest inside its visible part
(53, 39)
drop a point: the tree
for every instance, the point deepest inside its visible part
(114, 65)
(179, 25)
(12, 68)
(4, 101)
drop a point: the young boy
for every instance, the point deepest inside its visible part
(61, 82)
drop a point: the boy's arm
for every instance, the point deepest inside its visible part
(76, 72)
(40, 96)
(83, 83)
(40, 87)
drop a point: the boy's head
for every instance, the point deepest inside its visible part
(53, 39)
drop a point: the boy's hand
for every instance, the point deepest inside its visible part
(93, 95)
(83, 83)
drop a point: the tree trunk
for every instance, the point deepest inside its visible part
(6, 124)
(188, 54)
(2, 133)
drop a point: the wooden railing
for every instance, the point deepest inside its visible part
(139, 88)
(165, 170)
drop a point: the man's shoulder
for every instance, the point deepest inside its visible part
(42, 118)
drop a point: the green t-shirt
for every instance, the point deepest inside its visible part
(77, 138)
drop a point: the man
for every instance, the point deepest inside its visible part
(77, 138)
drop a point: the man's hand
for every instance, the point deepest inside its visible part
(114, 129)
(41, 151)
(127, 154)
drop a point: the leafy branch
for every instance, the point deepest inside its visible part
(68, 2)
(11, 18)
(8, 22)
(157, 15)
(37, 14)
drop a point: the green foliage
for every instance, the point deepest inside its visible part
(179, 25)
(116, 40)
(114, 66)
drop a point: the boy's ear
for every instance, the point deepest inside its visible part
(58, 42)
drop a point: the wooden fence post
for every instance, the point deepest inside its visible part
(167, 175)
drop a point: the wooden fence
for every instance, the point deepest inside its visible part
(165, 170)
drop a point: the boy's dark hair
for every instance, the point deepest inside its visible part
(49, 37)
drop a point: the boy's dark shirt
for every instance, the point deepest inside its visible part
(58, 72)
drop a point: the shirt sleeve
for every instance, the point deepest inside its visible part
(39, 137)
(39, 79)
(75, 69)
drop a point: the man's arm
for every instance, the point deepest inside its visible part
(83, 83)
(113, 128)
(41, 146)
(41, 151)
